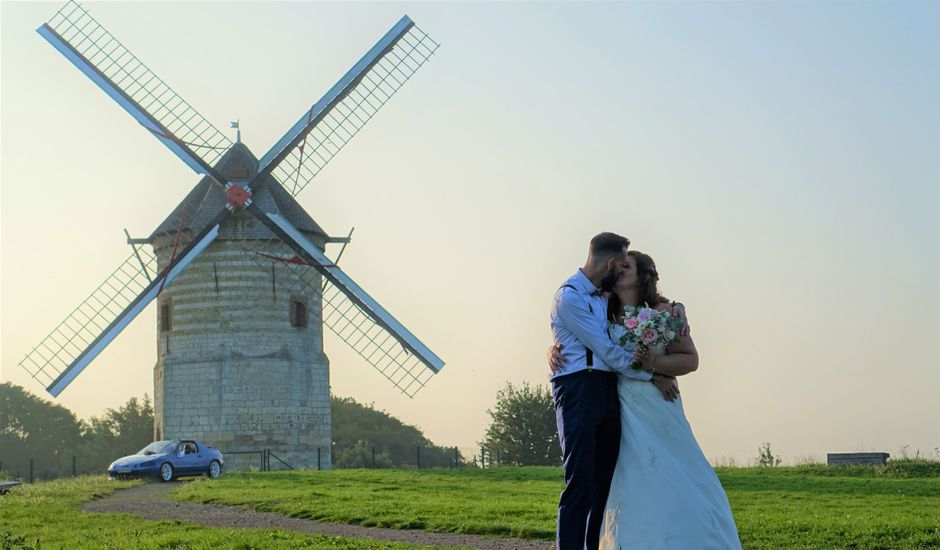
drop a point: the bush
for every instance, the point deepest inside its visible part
(361, 456)
(766, 458)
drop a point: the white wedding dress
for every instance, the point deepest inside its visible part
(664, 493)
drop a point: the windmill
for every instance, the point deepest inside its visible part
(242, 283)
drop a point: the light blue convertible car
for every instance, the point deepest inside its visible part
(168, 460)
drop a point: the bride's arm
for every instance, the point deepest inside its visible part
(681, 358)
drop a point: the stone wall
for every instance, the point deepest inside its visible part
(232, 371)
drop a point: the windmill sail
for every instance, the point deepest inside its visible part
(84, 334)
(357, 318)
(58, 350)
(159, 109)
(333, 120)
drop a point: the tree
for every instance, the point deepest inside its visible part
(50, 434)
(33, 428)
(118, 432)
(523, 426)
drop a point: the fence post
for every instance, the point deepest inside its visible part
(373, 456)
(73, 465)
(318, 458)
(419, 456)
(30, 470)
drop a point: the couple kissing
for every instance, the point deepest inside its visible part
(635, 476)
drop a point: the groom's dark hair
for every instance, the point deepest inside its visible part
(605, 245)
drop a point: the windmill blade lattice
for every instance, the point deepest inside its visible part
(373, 342)
(178, 124)
(84, 334)
(53, 355)
(345, 110)
(350, 322)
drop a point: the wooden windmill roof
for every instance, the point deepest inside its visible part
(207, 199)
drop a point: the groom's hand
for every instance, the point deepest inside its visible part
(556, 361)
(667, 385)
(677, 309)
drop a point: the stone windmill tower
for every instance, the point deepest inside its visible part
(240, 358)
(238, 270)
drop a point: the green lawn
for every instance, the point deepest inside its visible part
(46, 515)
(802, 507)
(517, 502)
(776, 508)
(820, 508)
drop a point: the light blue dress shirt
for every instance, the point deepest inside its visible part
(579, 323)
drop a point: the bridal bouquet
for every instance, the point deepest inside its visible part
(644, 326)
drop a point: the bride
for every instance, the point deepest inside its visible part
(664, 493)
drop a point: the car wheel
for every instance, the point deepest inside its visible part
(166, 472)
(215, 469)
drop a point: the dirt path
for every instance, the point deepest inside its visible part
(152, 501)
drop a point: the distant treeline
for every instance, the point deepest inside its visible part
(51, 435)
(361, 432)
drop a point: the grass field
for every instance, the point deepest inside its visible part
(897, 506)
(776, 508)
(46, 515)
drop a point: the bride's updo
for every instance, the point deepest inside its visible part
(647, 279)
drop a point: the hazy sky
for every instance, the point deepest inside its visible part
(778, 160)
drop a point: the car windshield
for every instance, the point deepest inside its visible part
(158, 447)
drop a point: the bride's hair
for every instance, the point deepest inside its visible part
(647, 277)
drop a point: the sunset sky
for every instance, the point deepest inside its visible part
(778, 160)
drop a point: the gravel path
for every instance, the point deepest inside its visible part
(152, 501)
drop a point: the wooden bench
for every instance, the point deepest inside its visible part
(834, 459)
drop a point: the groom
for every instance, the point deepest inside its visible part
(584, 391)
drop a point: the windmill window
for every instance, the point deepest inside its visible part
(166, 321)
(298, 313)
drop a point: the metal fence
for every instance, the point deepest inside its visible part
(363, 456)
(35, 469)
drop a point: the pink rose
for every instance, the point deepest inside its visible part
(631, 323)
(649, 336)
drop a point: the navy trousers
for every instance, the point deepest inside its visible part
(588, 415)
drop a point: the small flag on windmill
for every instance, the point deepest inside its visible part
(238, 133)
